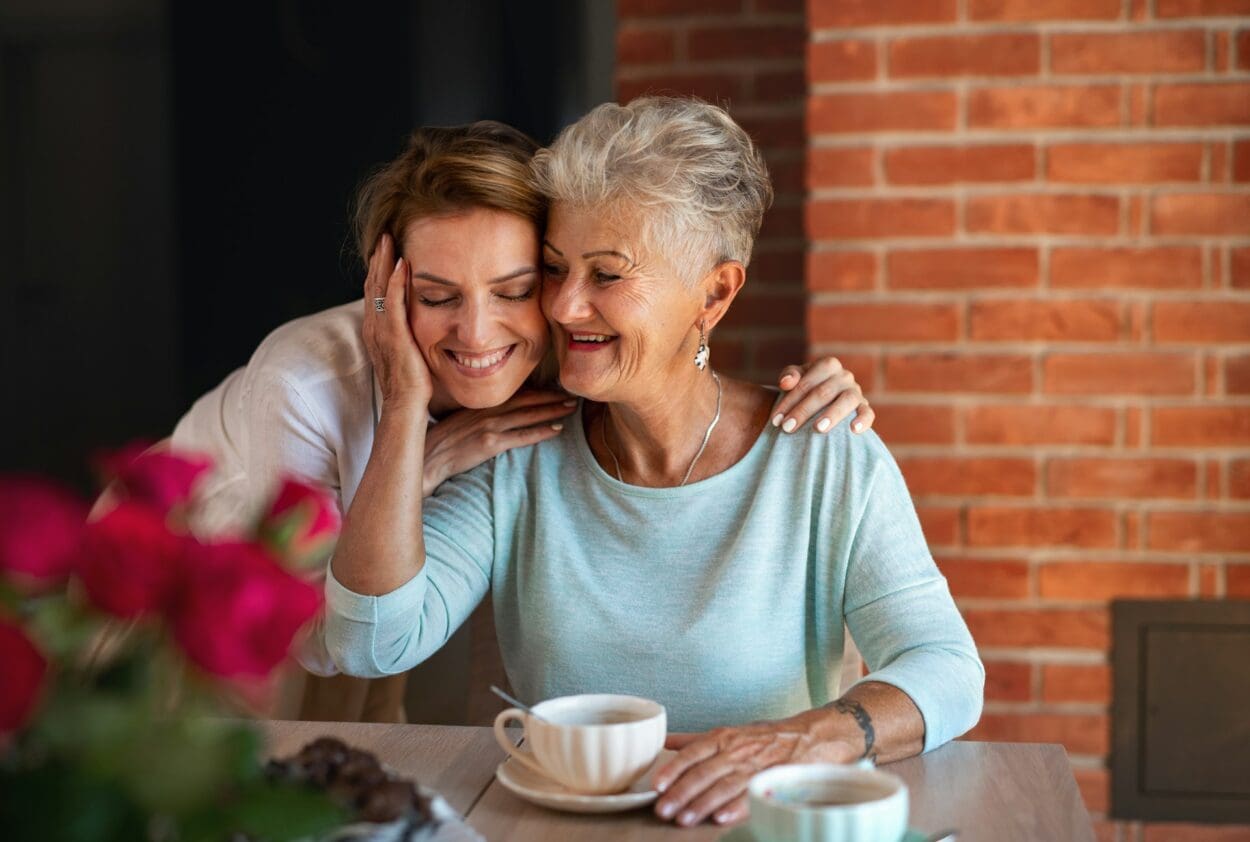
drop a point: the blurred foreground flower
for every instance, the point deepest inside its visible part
(158, 478)
(21, 678)
(237, 611)
(118, 663)
(301, 526)
(131, 561)
(41, 526)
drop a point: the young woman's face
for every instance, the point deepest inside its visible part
(473, 303)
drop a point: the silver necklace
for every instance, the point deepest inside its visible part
(603, 434)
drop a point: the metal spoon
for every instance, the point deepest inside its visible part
(501, 694)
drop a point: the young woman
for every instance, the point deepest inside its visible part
(670, 542)
(458, 212)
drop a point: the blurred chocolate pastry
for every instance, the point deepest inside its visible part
(355, 779)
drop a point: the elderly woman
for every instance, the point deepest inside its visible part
(670, 542)
(459, 210)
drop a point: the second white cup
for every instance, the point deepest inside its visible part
(593, 744)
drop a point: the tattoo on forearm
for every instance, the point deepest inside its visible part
(863, 720)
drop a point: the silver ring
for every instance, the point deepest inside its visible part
(379, 304)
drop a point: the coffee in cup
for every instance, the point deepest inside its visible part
(823, 802)
(593, 744)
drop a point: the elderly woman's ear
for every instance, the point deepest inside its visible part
(720, 287)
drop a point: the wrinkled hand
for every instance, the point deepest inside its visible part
(709, 775)
(469, 437)
(822, 388)
(401, 370)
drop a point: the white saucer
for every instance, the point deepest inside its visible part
(545, 792)
(742, 833)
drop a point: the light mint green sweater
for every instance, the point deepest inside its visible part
(724, 600)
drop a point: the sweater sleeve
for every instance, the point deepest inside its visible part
(371, 636)
(901, 614)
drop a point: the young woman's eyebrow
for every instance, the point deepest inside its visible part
(515, 273)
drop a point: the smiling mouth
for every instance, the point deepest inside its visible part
(589, 341)
(481, 365)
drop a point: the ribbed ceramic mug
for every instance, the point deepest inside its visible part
(824, 802)
(592, 744)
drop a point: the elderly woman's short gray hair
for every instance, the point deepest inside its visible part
(689, 172)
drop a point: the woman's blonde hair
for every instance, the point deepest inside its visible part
(446, 171)
(680, 166)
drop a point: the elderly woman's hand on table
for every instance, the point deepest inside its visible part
(709, 775)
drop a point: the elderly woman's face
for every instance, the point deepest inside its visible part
(473, 302)
(620, 318)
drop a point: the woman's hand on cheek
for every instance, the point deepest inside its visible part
(401, 370)
(823, 390)
(709, 775)
(467, 438)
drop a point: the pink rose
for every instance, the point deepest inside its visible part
(237, 611)
(131, 561)
(159, 478)
(301, 526)
(21, 679)
(41, 527)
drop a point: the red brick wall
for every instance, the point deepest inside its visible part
(1025, 224)
(747, 55)
(1029, 227)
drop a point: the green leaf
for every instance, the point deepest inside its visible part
(285, 812)
(62, 628)
(61, 803)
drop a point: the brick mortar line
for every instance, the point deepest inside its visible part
(1117, 190)
(1035, 706)
(1031, 655)
(1114, 505)
(955, 29)
(1087, 761)
(941, 82)
(980, 136)
(1105, 504)
(1073, 557)
(1046, 454)
(970, 400)
(712, 20)
(887, 244)
(1105, 241)
(1041, 294)
(632, 71)
(1010, 604)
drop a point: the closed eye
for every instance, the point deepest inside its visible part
(436, 302)
(521, 296)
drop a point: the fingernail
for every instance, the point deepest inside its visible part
(857, 426)
(397, 262)
(686, 818)
(660, 786)
(570, 402)
(777, 419)
(557, 427)
(789, 425)
(721, 818)
(666, 810)
(823, 425)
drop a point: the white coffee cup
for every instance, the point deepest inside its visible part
(824, 802)
(593, 744)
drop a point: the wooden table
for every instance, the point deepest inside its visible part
(988, 791)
